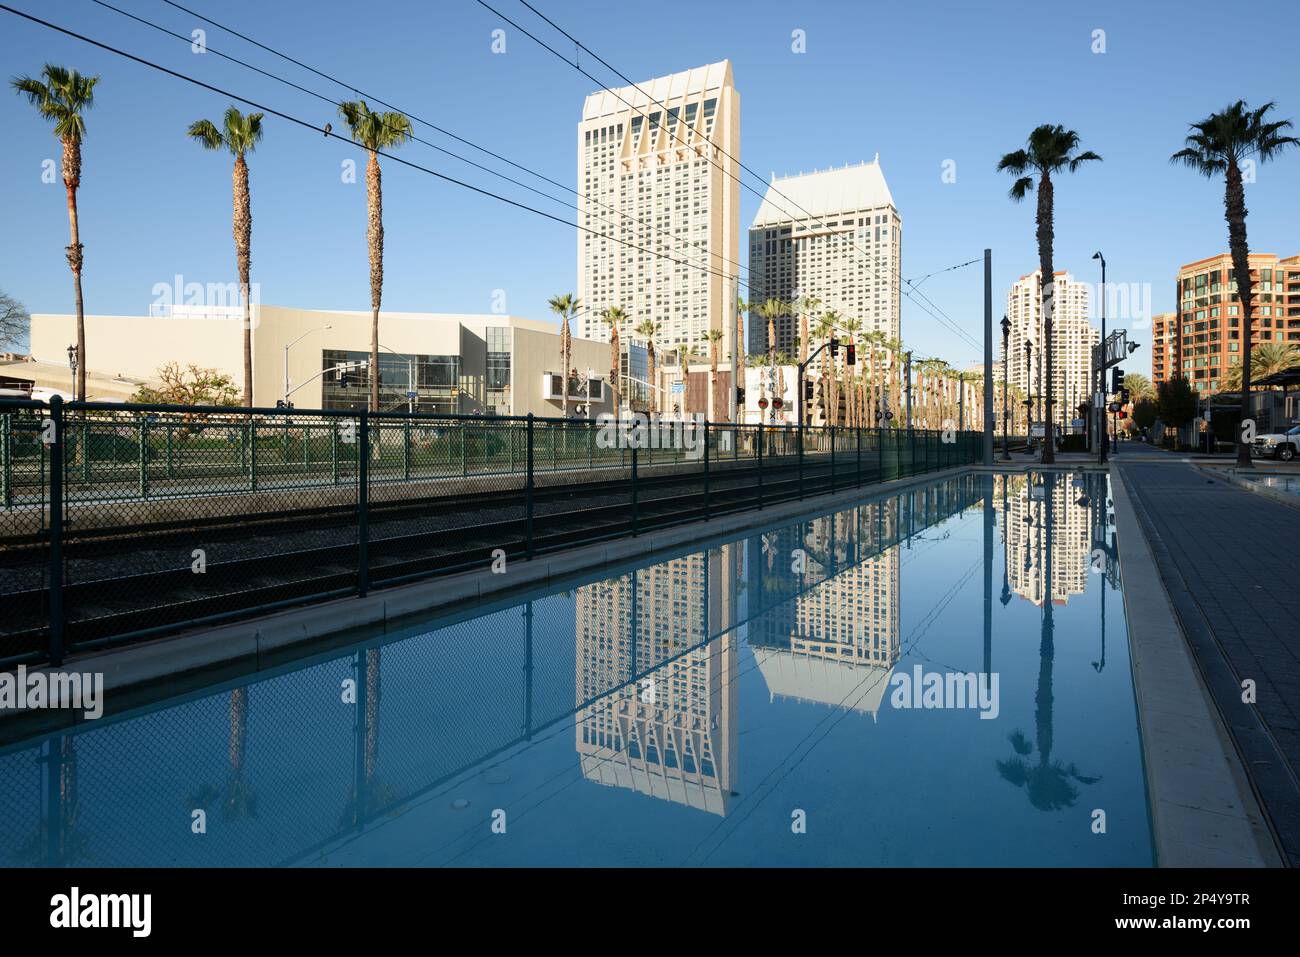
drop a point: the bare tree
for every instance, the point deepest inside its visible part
(14, 322)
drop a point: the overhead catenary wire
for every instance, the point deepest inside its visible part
(296, 120)
(266, 73)
(288, 117)
(951, 324)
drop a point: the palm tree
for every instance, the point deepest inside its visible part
(61, 97)
(1051, 149)
(1220, 143)
(772, 310)
(1268, 358)
(1139, 386)
(648, 329)
(713, 337)
(972, 385)
(851, 327)
(825, 331)
(240, 135)
(566, 307)
(375, 132)
(614, 317)
(805, 306)
(738, 352)
(781, 360)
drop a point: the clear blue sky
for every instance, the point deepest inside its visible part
(919, 83)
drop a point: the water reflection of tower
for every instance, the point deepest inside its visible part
(837, 639)
(668, 727)
(1026, 541)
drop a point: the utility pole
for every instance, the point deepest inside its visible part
(988, 357)
(1102, 432)
(907, 373)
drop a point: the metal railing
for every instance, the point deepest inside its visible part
(123, 521)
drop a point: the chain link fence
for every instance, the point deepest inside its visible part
(122, 521)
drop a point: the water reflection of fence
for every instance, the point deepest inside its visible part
(381, 726)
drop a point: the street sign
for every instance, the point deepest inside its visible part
(412, 394)
(679, 388)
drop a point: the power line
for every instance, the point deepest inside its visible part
(331, 135)
(418, 139)
(677, 136)
(942, 319)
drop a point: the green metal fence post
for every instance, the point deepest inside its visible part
(528, 528)
(832, 460)
(170, 470)
(144, 458)
(859, 455)
(363, 506)
(7, 450)
(706, 470)
(758, 444)
(57, 464)
(252, 455)
(85, 450)
(634, 493)
(334, 451)
(463, 471)
(406, 449)
(800, 432)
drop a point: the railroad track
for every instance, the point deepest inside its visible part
(122, 583)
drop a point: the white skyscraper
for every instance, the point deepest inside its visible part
(1073, 338)
(658, 167)
(833, 235)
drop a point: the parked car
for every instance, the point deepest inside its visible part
(1277, 445)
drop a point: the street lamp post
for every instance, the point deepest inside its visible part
(1006, 338)
(286, 356)
(1103, 438)
(1029, 394)
(410, 377)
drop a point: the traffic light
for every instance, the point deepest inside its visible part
(740, 395)
(835, 348)
(1123, 396)
(808, 390)
(1116, 379)
(850, 354)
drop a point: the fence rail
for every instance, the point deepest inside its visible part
(122, 521)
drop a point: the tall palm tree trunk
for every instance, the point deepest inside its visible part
(654, 378)
(613, 367)
(243, 228)
(738, 363)
(375, 240)
(1234, 211)
(75, 252)
(1045, 238)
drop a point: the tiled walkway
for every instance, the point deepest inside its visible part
(1229, 562)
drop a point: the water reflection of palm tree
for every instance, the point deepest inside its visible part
(240, 801)
(1049, 783)
(375, 794)
(57, 841)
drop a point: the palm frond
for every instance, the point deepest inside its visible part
(206, 133)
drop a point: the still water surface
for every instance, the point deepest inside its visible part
(748, 703)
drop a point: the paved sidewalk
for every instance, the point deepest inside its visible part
(1228, 561)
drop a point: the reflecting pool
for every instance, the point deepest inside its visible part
(936, 677)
